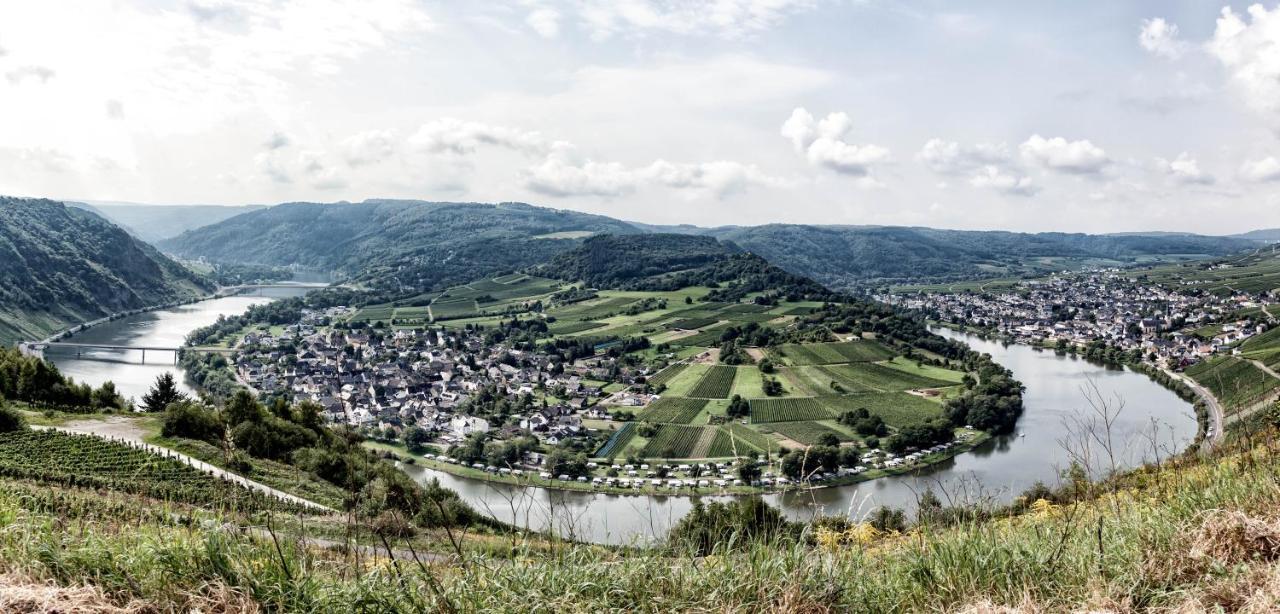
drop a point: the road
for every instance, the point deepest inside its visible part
(1217, 417)
(123, 429)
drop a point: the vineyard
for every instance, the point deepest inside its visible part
(787, 410)
(707, 338)
(756, 439)
(85, 461)
(691, 323)
(716, 383)
(729, 443)
(879, 377)
(662, 377)
(673, 409)
(896, 408)
(673, 441)
(619, 440)
(833, 353)
(807, 433)
(569, 327)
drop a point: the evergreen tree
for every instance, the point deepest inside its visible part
(162, 393)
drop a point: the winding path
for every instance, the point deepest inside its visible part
(123, 429)
(1217, 417)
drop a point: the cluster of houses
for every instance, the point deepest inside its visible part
(387, 380)
(1108, 306)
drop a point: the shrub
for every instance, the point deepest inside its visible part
(191, 420)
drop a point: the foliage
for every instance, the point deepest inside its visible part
(739, 523)
(162, 394)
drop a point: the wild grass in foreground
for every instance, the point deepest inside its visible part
(1198, 534)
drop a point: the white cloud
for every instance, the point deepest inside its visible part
(991, 177)
(450, 135)
(1249, 53)
(41, 74)
(822, 143)
(1185, 170)
(565, 172)
(1262, 170)
(1058, 154)
(731, 19)
(277, 140)
(950, 157)
(1161, 38)
(368, 147)
(545, 21)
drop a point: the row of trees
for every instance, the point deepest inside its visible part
(38, 383)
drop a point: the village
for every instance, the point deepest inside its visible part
(1169, 326)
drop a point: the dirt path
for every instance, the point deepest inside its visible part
(756, 354)
(120, 428)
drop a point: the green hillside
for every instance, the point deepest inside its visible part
(394, 244)
(60, 266)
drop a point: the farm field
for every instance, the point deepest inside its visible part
(832, 353)
(673, 441)
(808, 433)
(896, 408)
(749, 384)
(787, 410)
(683, 381)
(673, 409)
(91, 462)
(742, 433)
(618, 441)
(877, 377)
(666, 375)
(707, 337)
(716, 383)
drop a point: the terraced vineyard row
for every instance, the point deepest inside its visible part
(876, 377)
(673, 409)
(787, 410)
(832, 353)
(673, 441)
(85, 461)
(896, 408)
(709, 337)
(662, 377)
(715, 384)
(756, 439)
(618, 441)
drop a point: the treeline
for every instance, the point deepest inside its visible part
(38, 383)
(239, 274)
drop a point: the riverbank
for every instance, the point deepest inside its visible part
(531, 479)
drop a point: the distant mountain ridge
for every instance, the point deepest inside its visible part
(154, 223)
(61, 265)
(418, 243)
(1266, 234)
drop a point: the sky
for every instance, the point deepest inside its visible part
(1088, 116)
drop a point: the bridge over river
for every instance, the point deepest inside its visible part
(37, 348)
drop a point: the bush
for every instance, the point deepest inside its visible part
(738, 523)
(10, 419)
(191, 420)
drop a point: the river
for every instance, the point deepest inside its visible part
(996, 471)
(161, 328)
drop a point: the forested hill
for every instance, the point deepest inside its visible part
(393, 244)
(842, 256)
(61, 265)
(414, 245)
(154, 223)
(673, 261)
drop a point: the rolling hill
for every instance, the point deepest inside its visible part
(395, 244)
(419, 244)
(61, 265)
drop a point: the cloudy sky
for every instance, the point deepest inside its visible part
(1096, 115)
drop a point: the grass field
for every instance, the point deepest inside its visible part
(673, 409)
(832, 353)
(716, 383)
(786, 410)
(807, 433)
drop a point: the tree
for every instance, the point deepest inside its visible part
(242, 407)
(415, 439)
(748, 471)
(738, 407)
(162, 393)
